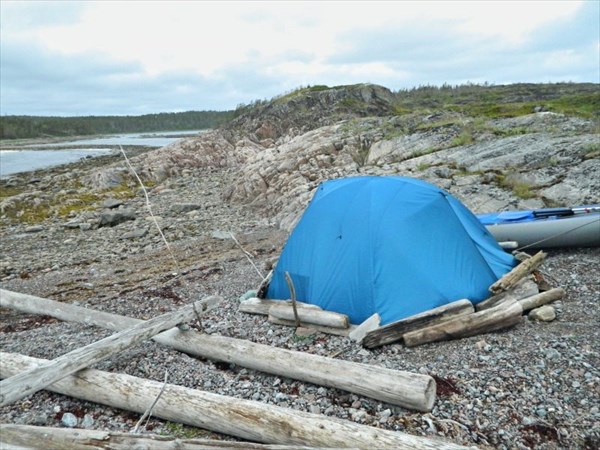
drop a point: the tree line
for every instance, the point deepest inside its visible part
(20, 127)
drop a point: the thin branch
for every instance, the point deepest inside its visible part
(148, 412)
(149, 206)
(247, 255)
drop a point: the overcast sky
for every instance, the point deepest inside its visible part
(100, 58)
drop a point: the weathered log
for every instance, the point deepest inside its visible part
(521, 289)
(322, 328)
(310, 316)
(246, 419)
(394, 331)
(27, 383)
(520, 271)
(502, 316)
(49, 438)
(359, 333)
(261, 306)
(413, 391)
(538, 300)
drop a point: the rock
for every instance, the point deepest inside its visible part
(72, 224)
(69, 420)
(552, 353)
(34, 229)
(180, 208)
(87, 421)
(223, 235)
(40, 420)
(544, 313)
(135, 234)
(111, 203)
(305, 331)
(110, 219)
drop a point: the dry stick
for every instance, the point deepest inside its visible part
(290, 284)
(148, 412)
(149, 206)
(247, 254)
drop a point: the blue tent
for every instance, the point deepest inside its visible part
(392, 245)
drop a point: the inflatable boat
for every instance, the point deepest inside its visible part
(545, 228)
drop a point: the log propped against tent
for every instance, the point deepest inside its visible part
(516, 293)
(246, 419)
(410, 390)
(394, 331)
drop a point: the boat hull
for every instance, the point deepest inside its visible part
(574, 231)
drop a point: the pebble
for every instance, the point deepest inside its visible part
(69, 420)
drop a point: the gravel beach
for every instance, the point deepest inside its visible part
(536, 385)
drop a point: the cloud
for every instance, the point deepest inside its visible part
(74, 58)
(49, 83)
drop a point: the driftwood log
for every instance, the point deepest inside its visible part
(26, 383)
(521, 271)
(413, 391)
(523, 288)
(394, 331)
(502, 316)
(311, 316)
(246, 419)
(321, 328)
(538, 300)
(261, 306)
(49, 438)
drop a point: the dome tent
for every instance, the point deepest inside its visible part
(389, 245)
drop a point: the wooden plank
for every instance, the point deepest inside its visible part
(394, 331)
(406, 389)
(245, 419)
(502, 316)
(521, 271)
(27, 383)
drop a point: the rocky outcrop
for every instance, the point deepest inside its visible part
(544, 164)
(305, 109)
(281, 150)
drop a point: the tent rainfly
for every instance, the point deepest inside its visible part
(389, 245)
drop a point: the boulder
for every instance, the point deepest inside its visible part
(544, 313)
(112, 218)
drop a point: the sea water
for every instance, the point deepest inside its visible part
(17, 161)
(42, 156)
